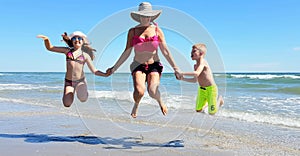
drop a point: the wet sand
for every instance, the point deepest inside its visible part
(60, 131)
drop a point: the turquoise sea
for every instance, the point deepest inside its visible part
(268, 98)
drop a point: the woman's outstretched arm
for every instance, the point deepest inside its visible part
(126, 53)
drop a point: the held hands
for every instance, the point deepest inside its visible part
(110, 71)
(178, 75)
(106, 74)
(100, 73)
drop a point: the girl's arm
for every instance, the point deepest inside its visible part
(165, 50)
(52, 48)
(92, 67)
(126, 53)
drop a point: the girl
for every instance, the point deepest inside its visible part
(76, 57)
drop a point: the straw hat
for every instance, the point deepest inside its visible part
(145, 9)
(79, 33)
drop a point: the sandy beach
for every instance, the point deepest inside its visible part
(48, 134)
(60, 131)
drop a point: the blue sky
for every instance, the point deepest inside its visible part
(251, 35)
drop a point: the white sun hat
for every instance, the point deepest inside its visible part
(145, 9)
(79, 33)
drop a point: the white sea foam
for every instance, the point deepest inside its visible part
(25, 87)
(24, 101)
(261, 118)
(12, 100)
(117, 95)
(264, 76)
(5, 74)
(291, 76)
(172, 101)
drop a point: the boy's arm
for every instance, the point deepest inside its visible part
(192, 79)
(195, 74)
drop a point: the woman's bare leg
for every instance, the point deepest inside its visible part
(153, 81)
(139, 79)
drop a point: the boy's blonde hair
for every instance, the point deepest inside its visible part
(200, 46)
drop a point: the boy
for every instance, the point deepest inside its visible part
(207, 92)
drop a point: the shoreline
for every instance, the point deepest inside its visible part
(62, 133)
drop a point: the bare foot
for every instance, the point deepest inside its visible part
(134, 111)
(133, 115)
(221, 101)
(164, 109)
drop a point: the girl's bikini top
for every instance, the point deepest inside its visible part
(70, 57)
(148, 44)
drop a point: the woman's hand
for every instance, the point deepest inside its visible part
(178, 75)
(110, 71)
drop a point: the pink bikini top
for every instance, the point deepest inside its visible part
(149, 44)
(70, 57)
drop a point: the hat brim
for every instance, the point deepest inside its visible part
(77, 33)
(135, 15)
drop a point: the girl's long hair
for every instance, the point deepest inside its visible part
(86, 47)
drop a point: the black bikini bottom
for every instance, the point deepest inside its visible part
(146, 68)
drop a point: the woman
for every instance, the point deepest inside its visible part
(76, 57)
(145, 38)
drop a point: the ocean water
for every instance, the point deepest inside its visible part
(266, 98)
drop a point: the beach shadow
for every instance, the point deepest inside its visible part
(111, 143)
